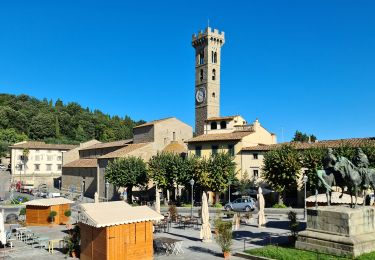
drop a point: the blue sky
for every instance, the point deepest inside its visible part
(306, 65)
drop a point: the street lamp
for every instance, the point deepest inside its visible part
(229, 183)
(82, 187)
(192, 196)
(305, 179)
(106, 189)
(60, 185)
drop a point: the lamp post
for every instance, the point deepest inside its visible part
(192, 196)
(229, 183)
(106, 189)
(82, 187)
(305, 179)
(60, 185)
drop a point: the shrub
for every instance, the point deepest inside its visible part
(172, 211)
(22, 211)
(224, 236)
(52, 216)
(19, 200)
(293, 224)
(67, 213)
(72, 241)
(279, 206)
(218, 205)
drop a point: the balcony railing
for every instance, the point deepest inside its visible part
(247, 128)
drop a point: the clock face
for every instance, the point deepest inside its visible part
(200, 95)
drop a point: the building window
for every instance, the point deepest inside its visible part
(37, 158)
(59, 167)
(231, 149)
(256, 174)
(37, 167)
(49, 157)
(201, 75)
(213, 74)
(213, 94)
(59, 158)
(213, 125)
(198, 151)
(215, 149)
(49, 167)
(215, 57)
(174, 136)
(255, 156)
(223, 125)
(201, 57)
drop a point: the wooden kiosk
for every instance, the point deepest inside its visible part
(115, 230)
(37, 211)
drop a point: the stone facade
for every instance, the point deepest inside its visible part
(73, 154)
(339, 231)
(207, 47)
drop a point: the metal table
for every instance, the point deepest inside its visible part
(171, 246)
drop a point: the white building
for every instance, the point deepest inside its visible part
(42, 164)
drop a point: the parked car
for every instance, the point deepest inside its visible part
(3, 167)
(241, 204)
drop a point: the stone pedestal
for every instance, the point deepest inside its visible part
(339, 230)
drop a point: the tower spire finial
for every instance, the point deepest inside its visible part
(208, 22)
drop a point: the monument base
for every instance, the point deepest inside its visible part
(339, 230)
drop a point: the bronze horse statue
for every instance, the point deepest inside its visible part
(343, 174)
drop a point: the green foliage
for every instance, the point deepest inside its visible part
(282, 168)
(22, 211)
(221, 170)
(67, 213)
(218, 205)
(279, 206)
(312, 161)
(303, 138)
(127, 172)
(70, 123)
(173, 212)
(224, 235)
(72, 240)
(8, 137)
(293, 223)
(245, 183)
(283, 253)
(52, 216)
(19, 200)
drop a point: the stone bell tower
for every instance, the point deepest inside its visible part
(207, 47)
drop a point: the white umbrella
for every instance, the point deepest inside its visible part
(157, 200)
(96, 197)
(206, 227)
(3, 237)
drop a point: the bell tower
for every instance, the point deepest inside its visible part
(207, 47)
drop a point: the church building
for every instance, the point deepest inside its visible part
(214, 132)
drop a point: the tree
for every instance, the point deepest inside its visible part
(42, 126)
(127, 172)
(303, 137)
(8, 137)
(312, 161)
(281, 169)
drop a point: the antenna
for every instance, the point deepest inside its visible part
(208, 22)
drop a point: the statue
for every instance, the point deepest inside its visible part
(339, 171)
(261, 216)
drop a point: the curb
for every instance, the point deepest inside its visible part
(251, 257)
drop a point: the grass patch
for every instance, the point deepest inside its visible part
(287, 253)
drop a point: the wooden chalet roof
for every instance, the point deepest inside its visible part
(48, 202)
(115, 213)
(352, 142)
(82, 163)
(220, 137)
(42, 145)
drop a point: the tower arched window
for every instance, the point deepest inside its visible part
(201, 57)
(213, 74)
(201, 75)
(215, 57)
(213, 125)
(223, 125)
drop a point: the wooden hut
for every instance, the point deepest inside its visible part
(38, 211)
(114, 230)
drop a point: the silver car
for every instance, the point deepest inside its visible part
(241, 204)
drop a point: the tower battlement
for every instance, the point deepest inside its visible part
(208, 33)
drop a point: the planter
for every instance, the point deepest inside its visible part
(226, 255)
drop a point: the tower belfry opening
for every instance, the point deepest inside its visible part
(207, 45)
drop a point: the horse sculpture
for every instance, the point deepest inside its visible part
(343, 174)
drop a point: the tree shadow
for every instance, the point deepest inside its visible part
(204, 250)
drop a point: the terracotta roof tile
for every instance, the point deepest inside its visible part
(353, 142)
(123, 151)
(220, 137)
(108, 144)
(153, 122)
(42, 145)
(82, 163)
(217, 118)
